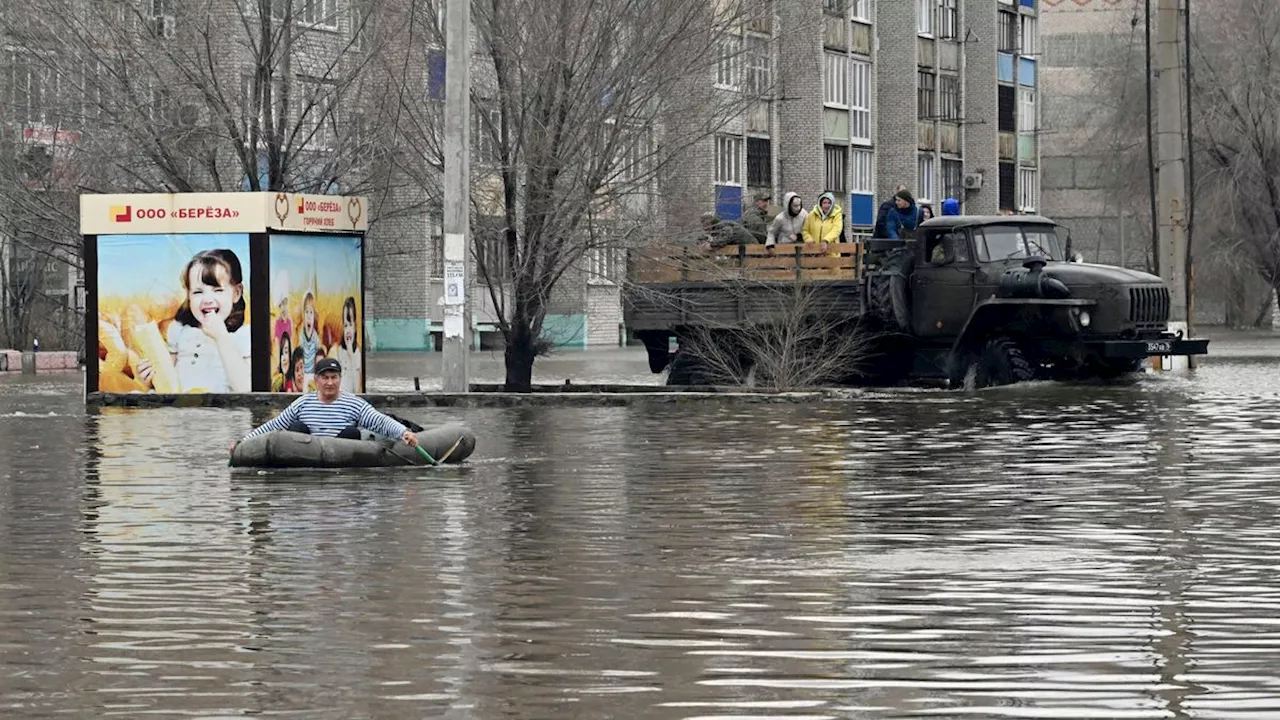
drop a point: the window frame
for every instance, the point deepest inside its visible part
(731, 162)
(926, 173)
(860, 79)
(835, 156)
(837, 82)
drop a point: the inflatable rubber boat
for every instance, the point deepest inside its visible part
(284, 449)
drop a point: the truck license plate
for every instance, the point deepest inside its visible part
(1159, 346)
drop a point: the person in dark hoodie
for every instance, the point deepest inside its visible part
(881, 229)
(904, 218)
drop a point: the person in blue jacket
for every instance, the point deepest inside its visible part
(903, 218)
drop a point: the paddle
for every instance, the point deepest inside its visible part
(426, 455)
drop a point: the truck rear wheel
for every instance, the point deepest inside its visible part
(887, 291)
(1000, 362)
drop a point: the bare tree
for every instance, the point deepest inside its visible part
(583, 108)
(1236, 69)
(1235, 149)
(802, 343)
(192, 96)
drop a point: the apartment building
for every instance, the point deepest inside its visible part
(1089, 47)
(856, 96)
(940, 95)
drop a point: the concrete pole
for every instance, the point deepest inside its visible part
(1171, 131)
(457, 180)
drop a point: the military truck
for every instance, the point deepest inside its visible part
(973, 301)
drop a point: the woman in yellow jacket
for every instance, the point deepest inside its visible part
(825, 223)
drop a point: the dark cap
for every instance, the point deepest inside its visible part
(763, 196)
(326, 364)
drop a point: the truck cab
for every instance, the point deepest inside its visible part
(996, 299)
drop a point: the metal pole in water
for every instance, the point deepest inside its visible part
(457, 174)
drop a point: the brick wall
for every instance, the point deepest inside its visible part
(799, 137)
(895, 71)
(981, 135)
(604, 315)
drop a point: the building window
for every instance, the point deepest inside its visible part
(924, 16)
(358, 13)
(863, 166)
(759, 71)
(603, 264)
(730, 48)
(953, 179)
(1007, 32)
(1008, 192)
(315, 113)
(860, 102)
(948, 19)
(836, 80)
(837, 168)
(925, 180)
(860, 10)
(32, 87)
(728, 160)
(759, 162)
(91, 89)
(1028, 190)
(833, 7)
(486, 124)
(926, 93)
(318, 12)
(163, 22)
(261, 110)
(1026, 110)
(1005, 112)
(1029, 46)
(949, 97)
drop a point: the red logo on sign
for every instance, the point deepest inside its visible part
(121, 213)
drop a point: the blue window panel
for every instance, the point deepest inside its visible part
(1029, 4)
(728, 202)
(435, 75)
(862, 209)
(1027, 71)
(1004, 63)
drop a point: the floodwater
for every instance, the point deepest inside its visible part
(1045, 551)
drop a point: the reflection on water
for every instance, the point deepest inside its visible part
(1038, 551)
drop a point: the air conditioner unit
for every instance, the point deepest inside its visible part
(972, 181)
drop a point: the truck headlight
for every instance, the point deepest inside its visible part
(1084, 318)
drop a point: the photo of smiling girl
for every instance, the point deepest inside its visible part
(208, 339)
(179, 306)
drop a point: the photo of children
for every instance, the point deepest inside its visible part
(317, 306)
(173, 313)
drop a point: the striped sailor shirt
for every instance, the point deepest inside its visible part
(329, 419)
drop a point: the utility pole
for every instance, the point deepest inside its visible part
(1171, 129)
(457, 181)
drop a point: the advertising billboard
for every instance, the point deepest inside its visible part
(173, 313)
(317, 309)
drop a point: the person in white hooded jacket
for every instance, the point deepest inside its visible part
(787, 225)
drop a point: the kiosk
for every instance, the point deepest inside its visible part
(222, 292)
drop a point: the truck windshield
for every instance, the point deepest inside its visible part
(1011, 242)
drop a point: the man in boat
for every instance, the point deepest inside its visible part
(331, 412)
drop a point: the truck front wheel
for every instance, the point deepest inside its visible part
(1001, 361)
